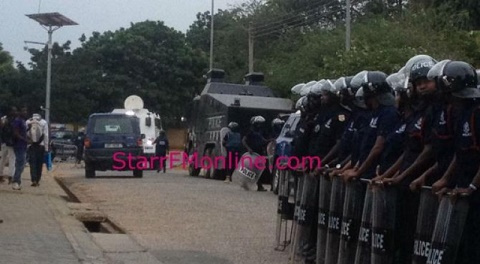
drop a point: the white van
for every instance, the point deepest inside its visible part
(150, 123)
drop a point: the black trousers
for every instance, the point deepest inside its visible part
(36, 156)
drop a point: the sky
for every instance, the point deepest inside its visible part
(91, 15)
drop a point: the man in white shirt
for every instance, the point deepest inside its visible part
(37, 134)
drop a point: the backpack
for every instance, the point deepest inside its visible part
(7, 133)
(35, 131)
(233, 141)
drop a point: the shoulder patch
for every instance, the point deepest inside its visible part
(341, 118)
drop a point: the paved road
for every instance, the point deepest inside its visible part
(183, 219)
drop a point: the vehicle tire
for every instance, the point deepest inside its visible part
(192, 171)
(209, 173)
(89, 170)
(138, 173)
(275, 180)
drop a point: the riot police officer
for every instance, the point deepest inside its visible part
(460, 79)
(378, 96)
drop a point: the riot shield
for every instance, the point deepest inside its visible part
(306, 219)
(383, 223)
(323, 208)
(448, 230)
(248, 171)
(299, 178)
(284, 212)
(334, 220)
(351, 220)
(363, 252)
(309, 248)
(427, 212)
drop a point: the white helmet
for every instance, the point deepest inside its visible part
(277, 121)
(232, 124)
(257, 119)
(307, 88)
(297, 88)
(301, 103)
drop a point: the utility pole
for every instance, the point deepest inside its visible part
(211, 36)
(250, 48)
(348, 25)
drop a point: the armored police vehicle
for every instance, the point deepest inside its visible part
(221, 103)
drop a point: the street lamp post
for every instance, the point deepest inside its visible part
(50, 22)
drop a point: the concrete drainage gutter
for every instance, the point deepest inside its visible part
(114, 242)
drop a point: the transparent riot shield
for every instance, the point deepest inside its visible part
(306, 219)
(248, 171)
(335, 220)
(448, 230)
(299, 178)
(284, 211)
(309, 247)
(383, 223)
(363, 252)
(351, 220)
(427, 213)
(323, 209)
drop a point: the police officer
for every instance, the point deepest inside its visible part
(277, 125)
(329, 123)
(161, 150)
(357, 124)
(378, 96)
(460, 79)
(254, 142)
(441, 137)
(232, 143)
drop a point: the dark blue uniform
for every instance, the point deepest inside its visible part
(329, 127)
(356, 123)
(394, 145)
(467, 140)
(302, 137)
(442, 141)
(361, 120)
(382, 123)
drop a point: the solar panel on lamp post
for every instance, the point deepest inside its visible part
(50, 22)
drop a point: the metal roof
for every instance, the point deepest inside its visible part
(237, 89)
(255, 102)
(52, 19)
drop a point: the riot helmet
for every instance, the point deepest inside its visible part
(232, 125)
(302, 104)
(257, 120)
(357, 82)
(297, 88)
(307, 88)
(456, 77)
(359, 100)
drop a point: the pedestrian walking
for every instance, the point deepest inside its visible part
(37, 135)
(19, 147)
(79, 143)
(161, 150)
(7, 139)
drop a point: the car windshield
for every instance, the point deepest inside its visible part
(113, 125)
(62, 134)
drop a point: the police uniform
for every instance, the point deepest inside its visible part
(328, 129)
(394, 145)
(467, 150)
(357, 121)
(382, 123)
(442, 141)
